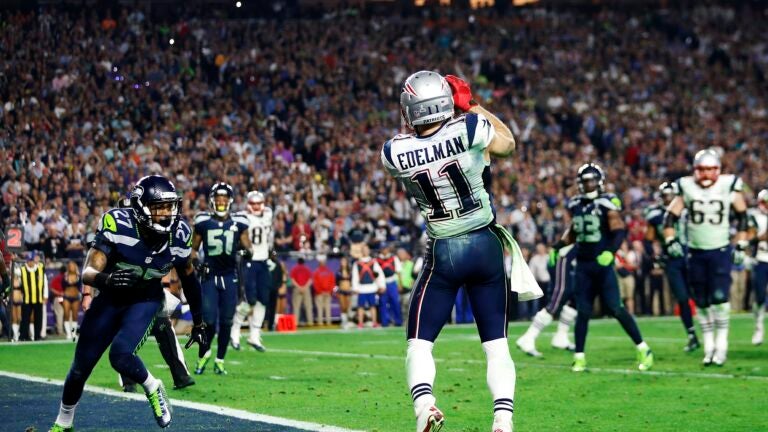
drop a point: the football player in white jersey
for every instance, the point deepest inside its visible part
(709, 196)
(758, 233)
(255, 272)
(445, 165)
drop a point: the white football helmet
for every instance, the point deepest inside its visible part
(706, 167)
(255, 202)
(426, 98)
(762, 200)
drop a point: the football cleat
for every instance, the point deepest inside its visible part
(707, 361)
(200, 366)
(235, 346)
(561, 341)
(218, 367)
(579, 364)
(501, 426)
(719, 358)
(693, 344)
(757, 338)
(257, 345)
(430, 419)
(188, 381)
(527, 346)
(57, 428)
(161, 408)
(644, 359)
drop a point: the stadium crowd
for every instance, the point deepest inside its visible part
(299, 109)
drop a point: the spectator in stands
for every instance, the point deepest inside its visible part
(323, 283)
(33, 232)
(301, 295)
(626, 266)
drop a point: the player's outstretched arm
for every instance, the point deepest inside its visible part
(194, 295)
(503, 143)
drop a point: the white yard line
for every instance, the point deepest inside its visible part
(229, 412)
(679, 374)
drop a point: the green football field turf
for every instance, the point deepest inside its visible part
(356, 379)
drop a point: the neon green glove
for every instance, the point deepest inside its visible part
(605, 258)
(553, 254)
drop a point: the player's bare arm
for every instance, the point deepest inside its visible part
(740, 209)
(671, 216)
(245, 240)
(197, 239)
(95, 263)
(615, 222)
(503, 143)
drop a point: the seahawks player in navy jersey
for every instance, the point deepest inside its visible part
(133, 249)
(673, 258)
(219, 234)
(597, 229)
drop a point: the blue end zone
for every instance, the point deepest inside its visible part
(25, 405)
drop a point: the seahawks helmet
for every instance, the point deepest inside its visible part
(706, 167)
(221, 189)
(426, 98)
(151, 194)
(667, 192)
(590, 179)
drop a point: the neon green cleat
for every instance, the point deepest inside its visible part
(579, 364)
(58, 428)
(161, 408)
(200, 366)
(644, 359)
(218, 367)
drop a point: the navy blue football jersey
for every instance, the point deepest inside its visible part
(590, 223)
(220, 240)
(118, 237)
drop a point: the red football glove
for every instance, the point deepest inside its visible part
(462, 94)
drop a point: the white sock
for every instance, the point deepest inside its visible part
(567, 316)
(257, 316)
(66, 415)
(707, 329)
(759, 311)
(642, 346)
(344, 319)
(420, 372)
(68, 329)
(219, 361)
(150, 384)
(501, 375)
(722, 314)
(579, 356)
(16, 330)
(237, 321)
(540, 321)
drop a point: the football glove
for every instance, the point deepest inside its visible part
(553, 255)
(674, 248)
(122, 279)
(245, 253)
(462, 94)
(200, 337)
(740, 252)
(605, 258)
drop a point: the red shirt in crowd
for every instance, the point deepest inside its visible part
(323, 280)
(301, 274)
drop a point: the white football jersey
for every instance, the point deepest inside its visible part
(709, 210)
(759, 221)
(260, 233)
(445, 173)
